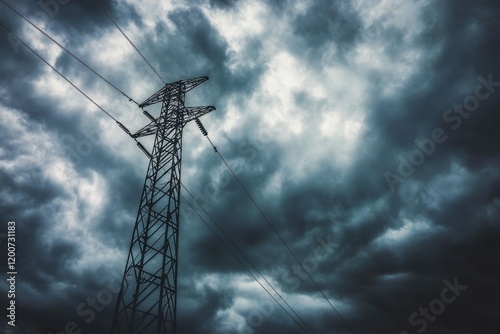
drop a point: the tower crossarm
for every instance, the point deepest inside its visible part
(147, 130)
(174, 88)
(189, 114)
(192, 113)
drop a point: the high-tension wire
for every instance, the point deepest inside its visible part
(147, 153)
(241, 262)
(276, 231)
(57, 71)
(128, 39)
(76, 87)
(68, 51)
(243, 254)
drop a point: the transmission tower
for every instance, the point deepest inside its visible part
(148, 296)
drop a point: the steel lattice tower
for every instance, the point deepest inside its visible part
(148, 296)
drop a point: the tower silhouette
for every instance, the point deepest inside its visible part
(147, 300)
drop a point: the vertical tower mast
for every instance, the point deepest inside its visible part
(148, 296)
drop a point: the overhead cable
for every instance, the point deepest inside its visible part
(69, 52)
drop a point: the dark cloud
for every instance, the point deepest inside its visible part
(72, 180)
(224, 3)
(327, 21)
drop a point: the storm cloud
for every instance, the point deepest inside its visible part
(367, 132)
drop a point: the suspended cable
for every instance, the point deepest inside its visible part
(69, 52)
(57, 71)
(128, 39)
(143, 149)
(239, 260)
(242, 254)
(205, 133)
(281, 238)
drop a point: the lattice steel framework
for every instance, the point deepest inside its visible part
(148, 297)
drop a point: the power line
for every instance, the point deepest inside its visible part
(69, 52)
(241, 262)
(142, 148)
(57, 71)
(128, 39)
(277, 233)
(77, 88)
(244, 256)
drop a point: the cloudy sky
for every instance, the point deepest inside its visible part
(366, 130)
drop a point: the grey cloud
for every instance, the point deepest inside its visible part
(393, 249)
